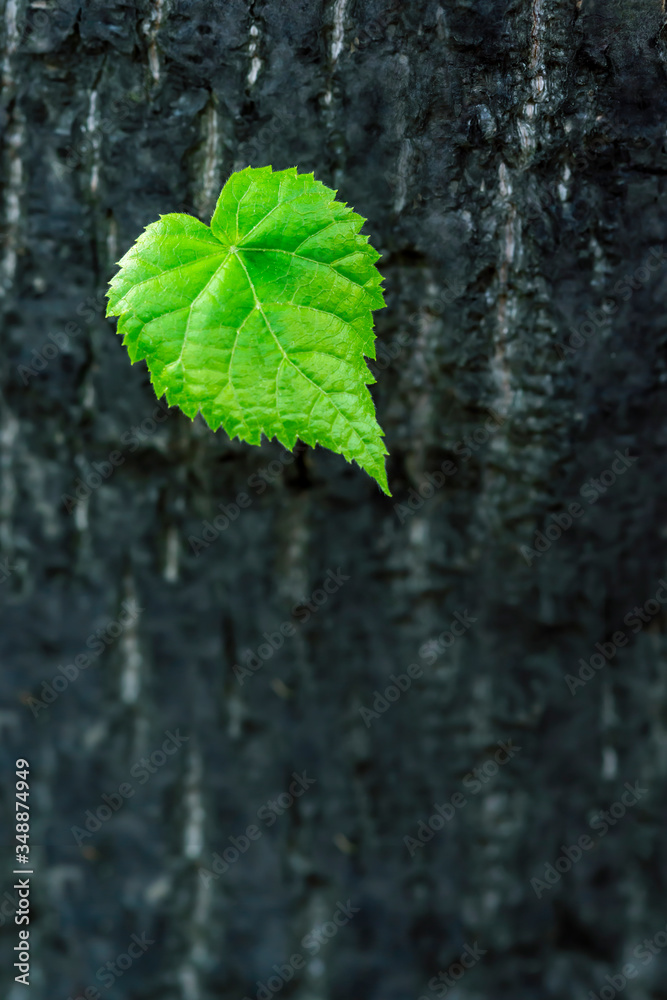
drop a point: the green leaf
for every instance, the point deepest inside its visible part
(262, 321)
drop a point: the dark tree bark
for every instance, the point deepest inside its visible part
(510, 158)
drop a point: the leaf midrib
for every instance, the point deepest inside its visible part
(286, 358)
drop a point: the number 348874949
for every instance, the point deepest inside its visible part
(22, 807)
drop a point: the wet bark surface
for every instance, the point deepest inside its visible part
(510, 158)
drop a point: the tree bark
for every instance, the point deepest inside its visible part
(510, 158)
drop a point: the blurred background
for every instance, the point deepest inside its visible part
(231, 797)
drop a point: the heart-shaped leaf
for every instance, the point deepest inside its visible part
(262, 321)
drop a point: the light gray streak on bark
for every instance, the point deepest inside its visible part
(338, 33)
(172, 547)
(9, 436)
(12, 204)
(132, 660)
(255, 61)
(12, 37)
(95, 139)
(151, 28)
(196, 958)
(208, 162)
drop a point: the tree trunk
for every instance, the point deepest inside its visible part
(510, 158)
